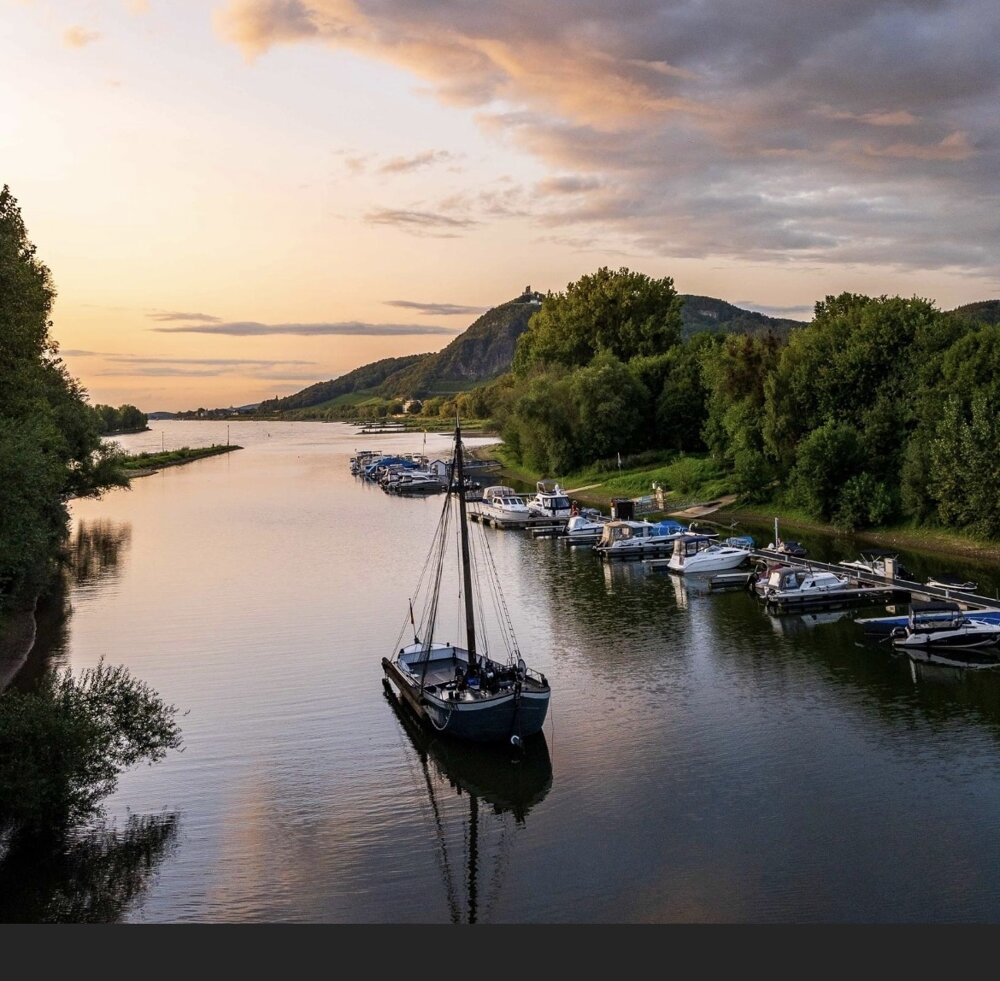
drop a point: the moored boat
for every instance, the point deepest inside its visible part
(464, 691)
(946, 580)
(550, 501)
(704, 553)
(504, 506)
(942, 624)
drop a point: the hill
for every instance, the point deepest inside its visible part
(486, 350)
(363, 379)
(480, 353)
(705, 313)
(984, 311)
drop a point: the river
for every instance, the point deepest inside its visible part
(702, 762)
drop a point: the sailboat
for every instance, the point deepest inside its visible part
(498, 787)
(466, 692)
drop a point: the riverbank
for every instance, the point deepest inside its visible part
(144, 464)
(18, 628)
(727, 509)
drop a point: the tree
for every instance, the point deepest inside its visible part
(626, 314)
(64, 744)
(50, 446)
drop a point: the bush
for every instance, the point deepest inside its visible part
(63, 745)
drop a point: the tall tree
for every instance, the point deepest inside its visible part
(623, 313)
(50, 448)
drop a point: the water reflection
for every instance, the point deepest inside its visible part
(511, 784)
(94, 552)
(96, 548)
(94, 876)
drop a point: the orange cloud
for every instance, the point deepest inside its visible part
(79, 37)
(953, 147)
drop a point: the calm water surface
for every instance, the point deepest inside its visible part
(702, 762)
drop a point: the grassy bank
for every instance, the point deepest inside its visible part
(141, 464)
(688, 480)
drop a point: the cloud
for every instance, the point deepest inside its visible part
(165, 315)
(137, 6)
(438, 309)
(738, 129)
(256, 26)
(129, 365)
(346, 328)
(400, 165)
(79, 37)
(425, 222)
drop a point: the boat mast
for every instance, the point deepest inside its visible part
(470, 623)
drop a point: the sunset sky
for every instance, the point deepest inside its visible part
(238, 198)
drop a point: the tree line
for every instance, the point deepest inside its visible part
(880, 410)
(124, 419)
(50, 438)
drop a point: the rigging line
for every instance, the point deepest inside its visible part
(496, 595)
(492, 576)
(432, 613)
(421, 583)
(482, 644)
(513, 650)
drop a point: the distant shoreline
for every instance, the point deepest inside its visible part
(144, 464)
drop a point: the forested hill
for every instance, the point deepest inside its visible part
(365, 378)
(486, 350)
(478, 354)
(705, 313)
(984, 312)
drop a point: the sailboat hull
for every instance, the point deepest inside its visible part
(517, 708)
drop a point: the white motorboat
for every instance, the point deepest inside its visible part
(586, 525)
(788, 588)
(703, 553)
(939, 624)
(953, 583)
(550, 501)
(881, 562)
(502, 505)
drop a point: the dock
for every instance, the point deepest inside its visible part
(539, 527)
(873, 588)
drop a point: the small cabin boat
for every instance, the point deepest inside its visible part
(502, 505)
(550, 501)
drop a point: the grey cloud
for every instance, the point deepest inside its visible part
(419, 221)
(399, 165)
(167, 315)
(854, 132)
(437, 309)
(346, 328)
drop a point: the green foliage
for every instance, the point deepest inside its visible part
(827, 457)
(965, 465)
(623, 313)
(124, 419)
(50, 447)
(63, 745)
(610, 404)
(864, 501)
